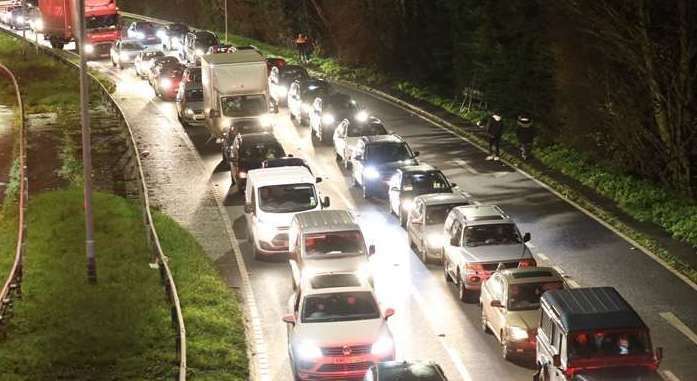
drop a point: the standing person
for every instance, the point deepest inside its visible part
(308, 48)
(300, 42)
(494, 127)
(526, 135)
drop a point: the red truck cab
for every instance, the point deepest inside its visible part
(101, 22)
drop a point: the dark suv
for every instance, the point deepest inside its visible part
(248, 152)
(327, 111)
(197, 44)
(301, 94)
(405, 371)
(376, 159)
(412, 181)
(280, 80)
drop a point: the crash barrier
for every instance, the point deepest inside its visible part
(12, 287)
(151, 232)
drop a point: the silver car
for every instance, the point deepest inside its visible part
(348, 133)
(190, 105)
(124, 52)
(425, 223)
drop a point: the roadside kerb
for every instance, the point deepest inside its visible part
(151, 232)
(12, 287)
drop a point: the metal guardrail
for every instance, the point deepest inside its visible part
(12, 287)
(151, 232)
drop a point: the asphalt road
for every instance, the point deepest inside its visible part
(430, 324)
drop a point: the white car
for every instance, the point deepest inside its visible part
(348, 133)
(272, 197)
(336, 329)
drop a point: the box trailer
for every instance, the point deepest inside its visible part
(235, 87)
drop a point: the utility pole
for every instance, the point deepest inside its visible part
(225, 21)
(86, 144)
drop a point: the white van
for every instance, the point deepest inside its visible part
(273, 196)
(326, 241)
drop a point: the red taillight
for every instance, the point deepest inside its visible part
(473, 268)
(527, 263)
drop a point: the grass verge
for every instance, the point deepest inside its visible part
(64, 328)
(214, 321)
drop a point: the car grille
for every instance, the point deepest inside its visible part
(358, 366)
(339, 351)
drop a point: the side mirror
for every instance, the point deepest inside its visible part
(389, 313)
(290, 319)
(556, 361)
(526, 237)
(659, 354)
(453, 185)
(496, 303)
(326, 202)
(248, 208)
(371, 250)
(318, 180)
(417, 153)
(214, 114)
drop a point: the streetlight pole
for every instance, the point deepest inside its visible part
(225, 21)
(86, 145)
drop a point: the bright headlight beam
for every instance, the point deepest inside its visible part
(362, 116)
(308, 351)
(371, 173)
(328, 119)
(383, 346)
(517, 333)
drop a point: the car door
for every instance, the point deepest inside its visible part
(452, 248)
(496, 315)
(415, 225)
(395, 189)
(357, 163)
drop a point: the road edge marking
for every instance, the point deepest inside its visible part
(679, 325)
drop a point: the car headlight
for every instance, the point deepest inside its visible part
(189, 112)
(166, 83)
(123, 56)
(199, 52)
(161, 34)
(266, 120)
(407, 205)
(89, 48)
(308, 351)
(243, 175)
(307, 108)
(383, 346)
(39, 25)
(362, 116)
(517, 333)
(371, 173)
(20, 19)
(435, 240)
(328, 119)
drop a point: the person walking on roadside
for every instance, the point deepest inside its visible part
(307, 49)
(300, 43)
(494, 127)
(526, 135)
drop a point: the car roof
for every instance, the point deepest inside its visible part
(236, 57)
(418, 168)
(280, 176)
(488, 213)
(326, 220)
(530, 275)
(442, 198)
(591, 308)
(380, 139)
(343, 281)
(258, 137)
(403, 370)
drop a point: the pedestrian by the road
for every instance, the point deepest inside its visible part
(300, 43)
(307, 49)
(526, 135)
(494, 127)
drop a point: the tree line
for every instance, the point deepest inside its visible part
(613, 79)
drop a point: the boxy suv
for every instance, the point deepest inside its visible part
(593, 334)
(510, 302)
(325, 241)
(411, 181)
(336, 328)
(479, 240)
(376, 159)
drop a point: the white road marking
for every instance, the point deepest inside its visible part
(679, 325)
(667, 375)
(463, 164)
(452, 129)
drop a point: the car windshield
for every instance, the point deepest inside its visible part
(493, 234)
(436, 214)
(526, 296)
(147, 28)
(389, 152)
(287, 198)
(355, 130)
(608, 344)
(424, 183)
(258, 152)
(244, 105)
(206, 40)
(339, 306)
(195, 95)
(291, 74)
(101, 22)
(131, 46)
(336, 243)
(415, 372)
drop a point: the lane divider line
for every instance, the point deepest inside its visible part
(667, 375)
(679, 325)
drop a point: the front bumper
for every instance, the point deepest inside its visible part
(195, 119)
(338, 368)
(278, 245)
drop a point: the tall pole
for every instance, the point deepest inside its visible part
(225, 21)
(86, 146)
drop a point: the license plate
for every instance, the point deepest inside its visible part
(348, 359)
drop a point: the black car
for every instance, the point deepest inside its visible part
(327, 111)
(240, 127)
(280, 80)
(144, 32)
(301, 94)
(376, 159)
(158, 65)
(172, 35)
(248, 152)
(405, 371)
(197, 44)
(411, 181)
(288, 161)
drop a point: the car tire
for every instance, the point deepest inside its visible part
(462, 291)
(485, 327)
(354, 182)
(505, 353)
(113, 63)
(424, 256)
(313, 138)
(402, 219)
(366, 191)
(347, 164)
(446, 276)
(412, 245)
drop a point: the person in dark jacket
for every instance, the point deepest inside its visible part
(526, 135)
(494, 127)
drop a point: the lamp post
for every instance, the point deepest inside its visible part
(86, 143)
(225, 21)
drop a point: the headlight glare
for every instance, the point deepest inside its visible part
(383, 346)
(328, 119)
(266, 120)
(371, 173)
(123, 56)
(362, 116)
(166, 83)
(308, 351)
(189, 112)
(89, 48)
(435, 240)
(517, 333)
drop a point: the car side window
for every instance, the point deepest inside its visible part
(456, 233)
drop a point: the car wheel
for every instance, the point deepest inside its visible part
(424, 256)
(313, 137)
(446, 276)
(463, 292)
(485, 327)
(354, 182)
(338, 157)
(366, 191)
(412, 245)
(505, 352)
(113, 63)
(402, 218)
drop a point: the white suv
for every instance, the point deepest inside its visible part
(336, 329)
